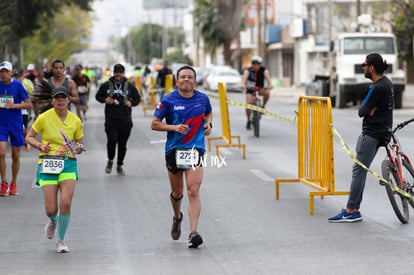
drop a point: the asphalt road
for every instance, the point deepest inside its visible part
(120, 225)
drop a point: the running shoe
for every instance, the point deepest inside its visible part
(108, 168)
(13, 189)
(194, 240)
(248, 125)
(61, 247)
(27, 147)
(120, 171)
(176, 227)
(344, 216)
(4, 188)
(50, 229)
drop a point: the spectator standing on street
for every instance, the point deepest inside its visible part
(82, 85)
(162, 74)
(13, 99)
(58, 127)
(188, 118)
(119, 96)
(252, 81)
(376, 110)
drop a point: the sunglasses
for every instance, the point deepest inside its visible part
(364, 65)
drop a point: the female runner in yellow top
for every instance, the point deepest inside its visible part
(57, 169)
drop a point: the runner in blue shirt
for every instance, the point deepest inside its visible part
(13, 98)
(188, 116)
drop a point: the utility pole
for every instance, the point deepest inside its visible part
(358, 13)
(331, 70)
(259, 28)
(265, 30)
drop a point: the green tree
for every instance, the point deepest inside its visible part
(59, 36)
(178, 57)
(403, 27)
(402, 21)
(20, 18)
(146, 41)
(219, 23)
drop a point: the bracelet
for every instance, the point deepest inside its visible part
(39, 147)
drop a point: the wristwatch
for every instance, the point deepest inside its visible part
(211, 125)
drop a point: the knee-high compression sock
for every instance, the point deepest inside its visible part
(63, 225)
(53, 219)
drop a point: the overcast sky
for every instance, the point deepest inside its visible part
(115, 17)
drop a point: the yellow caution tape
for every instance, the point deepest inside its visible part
(353, 157)
(152, 91)
(334, 131)
(257, 108)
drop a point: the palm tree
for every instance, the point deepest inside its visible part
(219, 23)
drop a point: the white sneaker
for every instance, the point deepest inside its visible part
(61, 247)
(50, 229)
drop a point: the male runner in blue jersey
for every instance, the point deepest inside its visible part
(188, 115)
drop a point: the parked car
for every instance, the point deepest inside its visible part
(226, 74)
(199, 76)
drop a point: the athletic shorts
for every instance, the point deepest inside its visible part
(171, 163)
(25, 121)
(16, 137)
(70, 171)
(83, 99)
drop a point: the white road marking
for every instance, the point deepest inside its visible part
(158, 141)
(261, 175)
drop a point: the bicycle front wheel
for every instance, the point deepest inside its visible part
(408, 173)
(399, 203)
(256, 121)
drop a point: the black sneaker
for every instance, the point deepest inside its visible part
(194, 240)
(108, 167)
(248, 125)
(120, 171)
(176, 227)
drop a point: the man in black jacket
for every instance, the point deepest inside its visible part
(119, 96)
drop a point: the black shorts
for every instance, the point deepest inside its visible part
(25, 121)
(172, 166)
(252, 92)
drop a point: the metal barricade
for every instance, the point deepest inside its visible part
(315, 148)
(225, 123)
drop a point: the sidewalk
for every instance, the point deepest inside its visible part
(287, 91)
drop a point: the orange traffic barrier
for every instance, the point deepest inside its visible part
(315, 148)
(225, 123)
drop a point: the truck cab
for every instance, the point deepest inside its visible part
(350, 49)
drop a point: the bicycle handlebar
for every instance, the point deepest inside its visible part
(402, 125)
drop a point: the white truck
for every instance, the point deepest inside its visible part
(349, 82)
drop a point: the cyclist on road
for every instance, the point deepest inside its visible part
(253, 80)
(376, 110)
